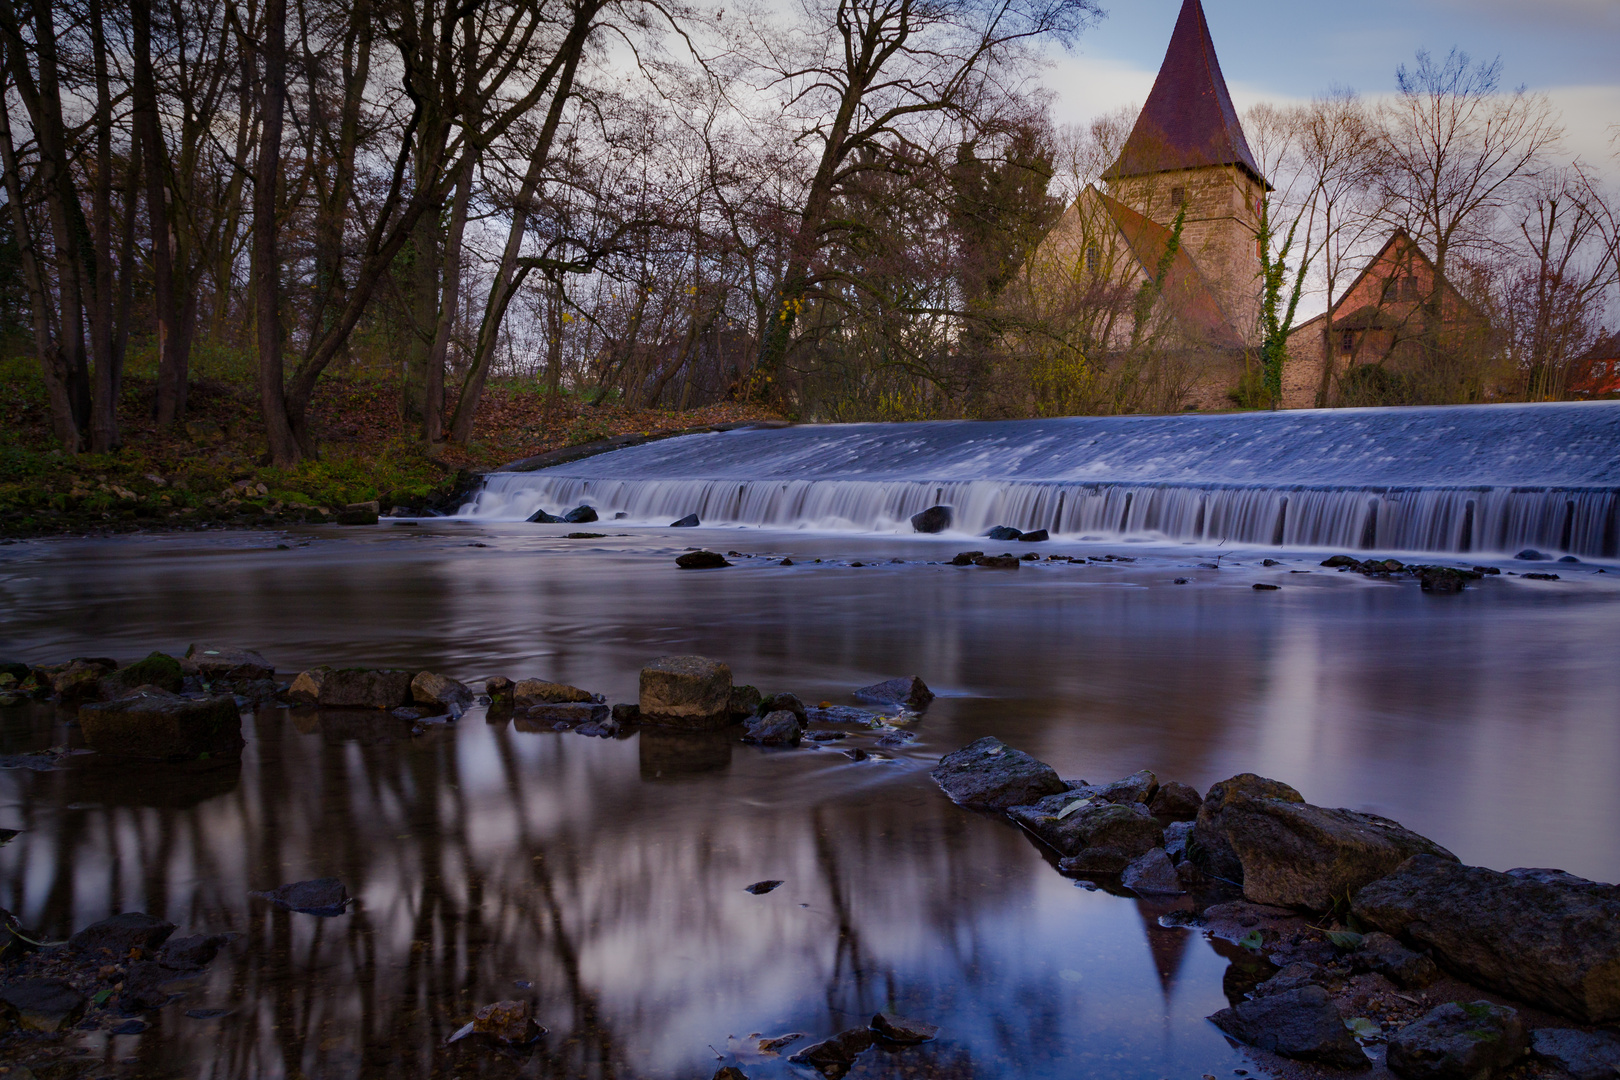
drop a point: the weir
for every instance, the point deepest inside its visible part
(1486, 479)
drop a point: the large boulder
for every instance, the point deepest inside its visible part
(1152, 874)
(1551, 943)
(527, 693)
(790, 702)
(153, 724)
(353, 688)
(908, 690)
(1178, 801)
(690, 692)
(1457, 1041)
(935, 519)
(1303, 1024)
(1080, 821)
(990, 775)
(80, 680)
(228, 662)
(1139, 787)
(1283, 851)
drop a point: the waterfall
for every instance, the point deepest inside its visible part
(1454, 480)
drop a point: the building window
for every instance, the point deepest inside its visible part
(1178, 196)
(1093, 257)
(1347, 342)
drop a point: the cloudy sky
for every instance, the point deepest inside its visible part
(1293, 49)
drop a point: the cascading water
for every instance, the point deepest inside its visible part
(1487, 478)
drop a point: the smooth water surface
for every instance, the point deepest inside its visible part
(608, 875)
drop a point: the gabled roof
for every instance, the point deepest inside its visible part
(1400, 245)
(1188, 120)
(1185, 289)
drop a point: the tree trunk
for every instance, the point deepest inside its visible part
(284, 448)
(104, 408)
(171, 387)
(449, 309)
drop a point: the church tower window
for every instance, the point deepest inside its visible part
(1178, 196)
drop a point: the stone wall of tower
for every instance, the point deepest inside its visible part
(1223, 218)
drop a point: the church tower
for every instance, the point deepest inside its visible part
(1187, 150)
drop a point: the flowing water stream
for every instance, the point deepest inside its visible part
(1482, 479)
(603, 879)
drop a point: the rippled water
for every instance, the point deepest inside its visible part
(609, 874)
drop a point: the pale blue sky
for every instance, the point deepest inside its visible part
(1280, 50)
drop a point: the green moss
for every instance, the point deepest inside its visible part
(158, 669)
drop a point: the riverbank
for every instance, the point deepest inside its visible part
(209, 472)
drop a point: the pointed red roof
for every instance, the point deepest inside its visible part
(1188, 120)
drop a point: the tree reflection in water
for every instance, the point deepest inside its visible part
(602, 880)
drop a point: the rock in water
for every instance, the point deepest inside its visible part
(1455, 1041)
(122, 934)
(507, 1021)
(1177, 801)
(1139, 787)
(319, 896)
(155, 725)
(760, 888)
(780, 728)
(909, 691)
(565, 712)
(790, 702)
(540, 517)
(701, 560)
(1004, 532)
(580, 515)
(745, 702)
(191, 953)
(1152, 874)
(1080, 824)
(1303, 1024)
(1550, 943)
(990, 775)
(526, 693)
(440, 692)
(228, 662)
(691, 692)
(900, 1029)
(43, 1005)
(833, 1057)
(729, 1072)
(158, 669)
(353, 688)
(1035, 537)
(690, 521)
(965, 558)
(1585, 1055)
(1283, 851)
(935, 519)
(996, 562)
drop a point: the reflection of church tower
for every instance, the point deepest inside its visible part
(1187, 150)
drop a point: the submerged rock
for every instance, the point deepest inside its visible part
(997, 562)
(508, 1021)
(353, 688)
(1260, 834)
(691, 692)
(690, 521)
(228, 662)
(900, 1029)
(701, 560)
(566, 713)
(1303, 1024)
(1457, 1041)
(191, 953)
(1551, 943)
(1585, 1055)
(155, 725)
(909, 691)
(836, 1056)
(780, 728)
(122, 934)
(990, 775)
(319, 896)
(935, 519)
(42, 1005)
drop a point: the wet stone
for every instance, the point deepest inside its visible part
(122, 934)
(507, 1021)
(1152, 874)
(191, 953)
(1407, 969)
(43, 1005)
(908, 690)
(789, 702)
(965, 558)
(690, 521)
(1303, 1024)
(527, 693)
(1457, 1041)
(215, 662)
(1176, 800)
(836, 1056)
(900, 1029)
(701, 560)
(319, 896)
(353, 688)
(997, 562)
(760, 888)
(568, 713)
(988, 774)
(935, 519)
(1004, 532)
(691, 692)
(1035, 537)
(1585, 1055)
(580, 515)
(780, 728)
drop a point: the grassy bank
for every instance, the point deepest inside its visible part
(210, 472)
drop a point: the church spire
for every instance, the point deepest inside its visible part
(1188, 120)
